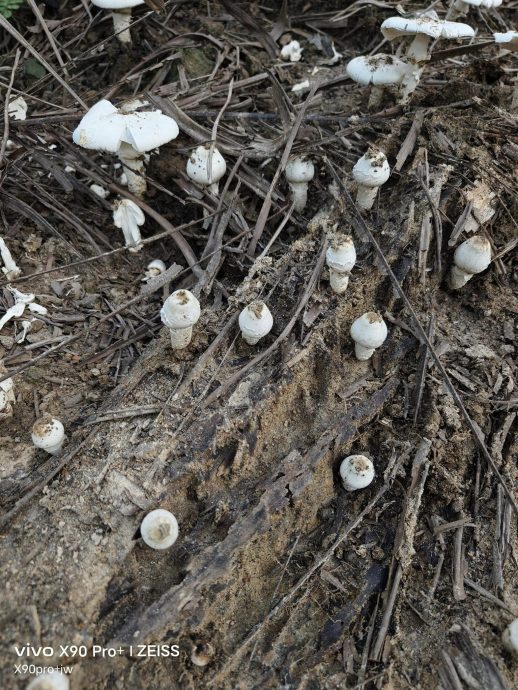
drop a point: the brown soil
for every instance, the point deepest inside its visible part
(279, 577)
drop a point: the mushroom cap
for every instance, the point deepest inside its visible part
(427, 24)
(117, 4)
(180, 310)
(357, 472)
(198, 166)
(473, 255)
(369, 330)
(299, 169)
(510, 636)
(372, 169)
(104, 128)
(256, 320)
(377, 69)
(47, 432)
(341, 254)
(51, 680)
(126, 212)
(507, 40)
(157, 266)
(159, 529)
(473, 3)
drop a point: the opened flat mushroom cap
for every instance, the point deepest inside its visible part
(117, 4)
(393, 27)
(377, 69)
(104, 128)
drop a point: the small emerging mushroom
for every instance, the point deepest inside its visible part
(471, 257)
(121, 15)
(510, 637)
(291, 51)
(255, 321)
(340, 259)
(370, 172)
(154, 269)
(202, 654)
(159, 529)
(357, 472)
(128, 216)
(206, 169)
(299, 172)
(48, 434)
(50, 680)
(179, 313)
(369, 332)
(9, 269)
(128, 134)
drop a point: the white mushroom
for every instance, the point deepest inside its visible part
(129, 135)
(370, 172)
(9, 269)
(378, 70)
(507, 40)
(424, 28)
(48, 434)
(7, 398)
(357, 472)
(179, 314)
(369, 332)
(292, 51)
(255, 321)
(154, 269)
(510, 637)
(128, 216)
(18, 108)
(50, 680)
(121, 15)
(340, 259)
(204, 173)
(99, 191)
(299, 172)
(471, 257)
(159, 529)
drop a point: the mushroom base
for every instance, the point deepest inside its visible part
(299, 195)
(338, 281)
(121, 25)
(181, 338)
(365, 197)
(363, 353)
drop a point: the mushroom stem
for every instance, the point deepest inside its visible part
(410, 83)
(362, 352)
(121, 25)
(299, 195)
(458, 277)
(338, 281)
(365, 197)
(418, 49)
(181, 337)
(133, 165)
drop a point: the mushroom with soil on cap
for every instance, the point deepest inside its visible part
(370, 172)
(128, 134)
(159, 529)
(121, 15)
(255, 321)
(424, 29)
(48, 434)
(357, 472)
(369, 332)
(179, 313)
(378, 71)
(510, 637)
(128, 216)
(340, 259)
(471, 257)
(299, 172)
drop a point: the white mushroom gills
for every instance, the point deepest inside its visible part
(299, 173)
(510, 637)
(128, 217)
(48, 434)
(471, 257)
(159, 529)
(370, 172)
(369, 332)
(121, 15)
(255, 321)
(357, 472)
(340, 259)
(179, 314)
(50, 680)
